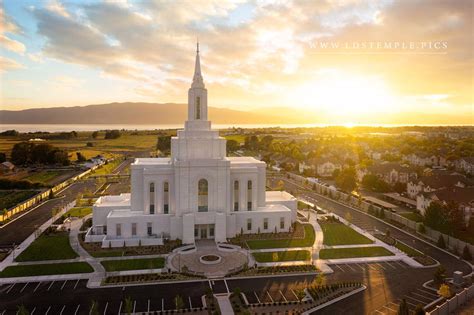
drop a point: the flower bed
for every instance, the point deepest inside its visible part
(154, 277)
(210, 259)
(324, 293)
(276, 270)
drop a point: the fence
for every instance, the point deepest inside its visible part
(44, 195)
(456, 301)
(451, 242)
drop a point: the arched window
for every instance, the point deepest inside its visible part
(198, 108)
(152, 198)
(202, 195)
(166, 198)
(249, 195)
(236, 195)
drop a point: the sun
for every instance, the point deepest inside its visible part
(339, 93)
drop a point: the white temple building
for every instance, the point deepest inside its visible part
(197, 193)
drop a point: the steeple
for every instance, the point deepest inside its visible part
(198, 81)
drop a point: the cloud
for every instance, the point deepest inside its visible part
(9, 64)
(12, 44)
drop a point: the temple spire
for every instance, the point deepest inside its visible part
(197, 78)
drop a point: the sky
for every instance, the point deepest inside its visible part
(341, 59)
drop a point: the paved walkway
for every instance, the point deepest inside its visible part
(224, 304)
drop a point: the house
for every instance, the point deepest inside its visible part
(323, 167)
(463, 196)
(435, 182)
(390, 172)
(465, 164)
(7, 167)
(422, 159)
(197, 193)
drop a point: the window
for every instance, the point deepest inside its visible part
(236, 195)
(152, 198)
(211, 230)
(249, 224)
(134, 229)
(166, 198)
(282, 223)
(196, 231)
(249, 195)
(202, 195)
(198, 108)
(118, 229)
(149, 229)
(265, 223)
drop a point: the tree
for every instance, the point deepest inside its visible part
(372, 182)
(421, 228)
(444, 291)
(89, 144)
(346, 179)
(80, 157)
(436, 217)
(21, 310)
(466, 253)
(232, 146)
(179, 302)
(3, 157)
(164, 144)
(439, 275)
(441, 243)
(419, 310)
(95, 134)
(403, 308)
(21, 153)
(112, 134)
(251, 142)
(128, 305)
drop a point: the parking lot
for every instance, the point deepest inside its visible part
(271, 295)
(73, 297)
(386, 267)
(420, 295)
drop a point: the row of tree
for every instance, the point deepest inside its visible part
(43, 153)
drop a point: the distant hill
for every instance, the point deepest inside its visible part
(133, 113)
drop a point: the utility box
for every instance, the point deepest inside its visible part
(458, 278)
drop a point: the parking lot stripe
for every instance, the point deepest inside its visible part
(24, 287)
(379, 312)
(400, 264)
(11, 287)
(388, 263)
(360, 266)
(350, 267)
(427, 293)
(268, 293)
(105, 309)
(226, 286)
(381, 266)
(163, 304)
(33, 311)
(76, 284)
(148, 306)
(47, 311)
(120, 308)
(62, 287)
(421, 296)
(281, 293)
(294, 294)
(50, 285)
(37, 286)
(77, 309)
(190, 304)
(339, 268)
(62, 310)
(408, 298)
(134, 304)
(257, 297)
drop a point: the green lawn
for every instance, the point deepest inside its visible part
(43, 177)
(108, 168)
(79, 212)
(410, 251)
(340, 234)
(10, 198)
(290, 255)
(49, 247)
(45, 269)
(337, 253)
(133, 264)
(308, 240)
(412, 216)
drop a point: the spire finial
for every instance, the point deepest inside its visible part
(197, 44)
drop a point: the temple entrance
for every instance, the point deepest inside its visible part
(203, 231)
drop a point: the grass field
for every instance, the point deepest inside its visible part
(10, 198)
(340, 234)
(308, 240)
(43, 177)
(238, 138)
(133, 264)
(79, 212)
(291, 255)
(49, 247)
(354, 252)
(45, 269)
(107, 168)
(412, 216)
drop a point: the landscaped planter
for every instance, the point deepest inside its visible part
(210, 259)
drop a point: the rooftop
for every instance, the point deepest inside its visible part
(152, 161)
(272, 196)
